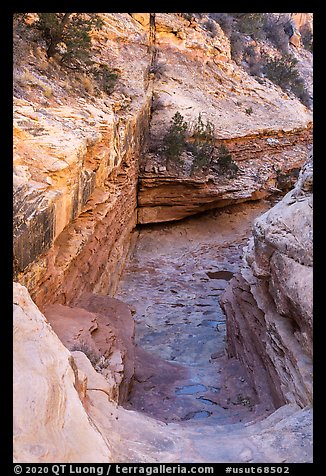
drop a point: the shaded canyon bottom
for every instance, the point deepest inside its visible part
(173, 282)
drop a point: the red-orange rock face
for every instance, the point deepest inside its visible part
(103, 329)
(171, 196)
(76, 160)
(83, 181)
(88, 254)
(76, 169)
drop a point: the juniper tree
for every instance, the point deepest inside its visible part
(225, 163)
(203, 143)
(174, 141)
(73, 31)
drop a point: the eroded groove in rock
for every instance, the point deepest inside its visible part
(102, 328)
(88, 167)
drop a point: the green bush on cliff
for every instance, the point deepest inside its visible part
(203, 143)
(68, 34)
(307, 38)
(278, 30)
(188, 16)
(67, 39)
(174, 142)
(210, 26)
(105, 76)
(225, 165)
(283, 72)
(199, 140)
(225, 20)
(250, 24)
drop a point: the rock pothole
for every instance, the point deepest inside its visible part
(225, 275)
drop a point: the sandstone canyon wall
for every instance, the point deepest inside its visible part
(83, 180)
(199, 77)
(75, 178)
(269, 303)
(50, 424)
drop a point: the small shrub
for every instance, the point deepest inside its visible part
(158, 69)
(299, 89)
(225, 163)
(69, 35)
(27, 78)
(188, 16)
(253, 58)
(249, 111)
(174, 142)
(201, 131)
(249, 52)
(203, 144)
(307, 38)
(250, 24)
(278, 31)
(48, 92)
(256, 68)
(285, 181)
(92, 356)
(87, 83)
(202, 157)
(282, 71)
(237, 47)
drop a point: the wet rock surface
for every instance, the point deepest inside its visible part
(122, 435)
(173, 283)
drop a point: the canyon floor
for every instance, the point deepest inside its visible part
(112, 240)
(173, 282)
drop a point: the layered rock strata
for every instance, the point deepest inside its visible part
(269, 303)
(264, 128)
(76, 159)
(90, 207)
(76, 170)
(164, 196)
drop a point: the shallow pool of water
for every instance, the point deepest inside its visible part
(190, 389)
(197, 415)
